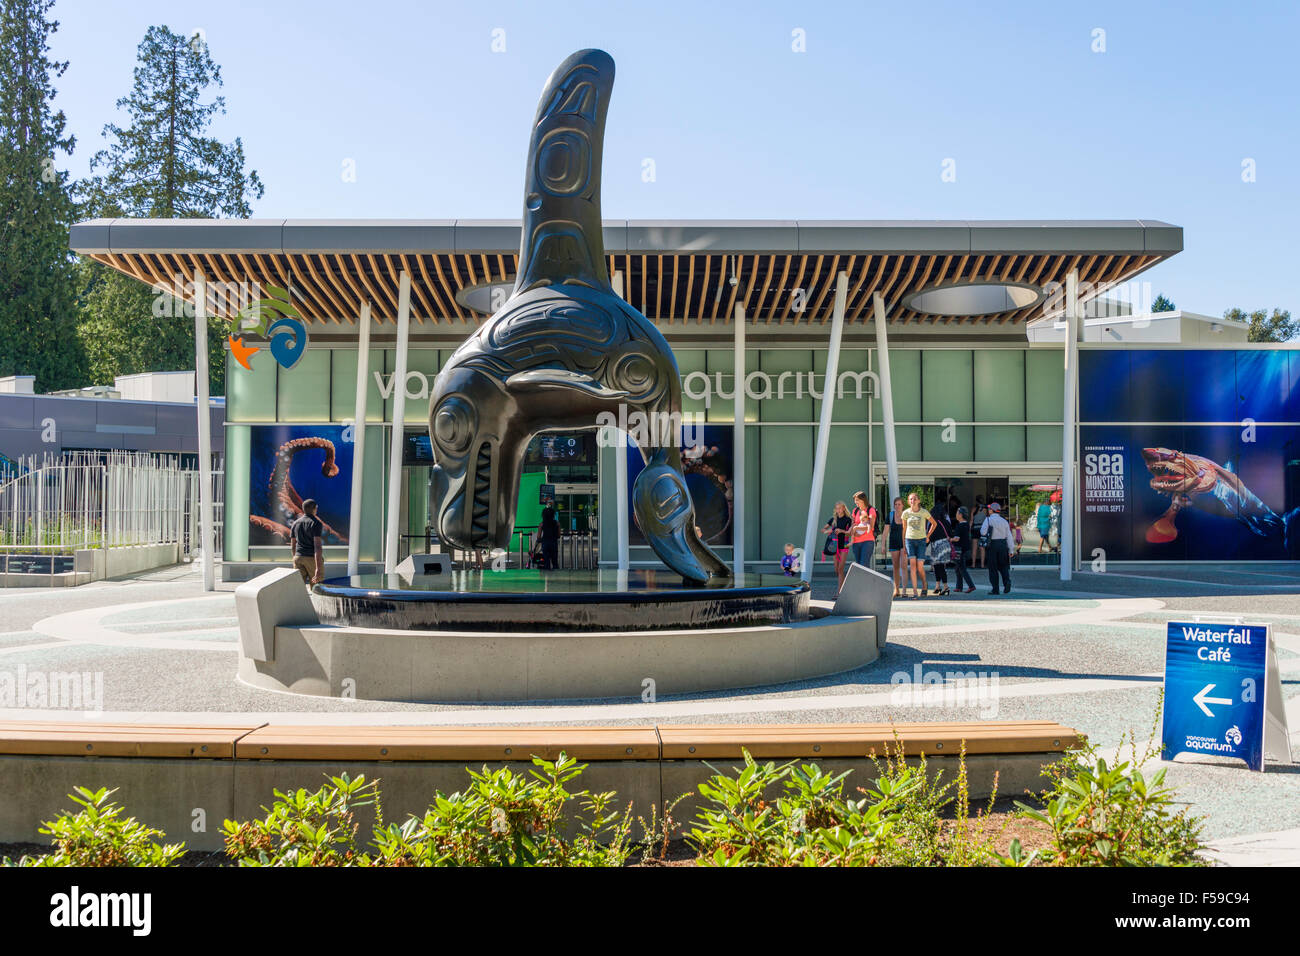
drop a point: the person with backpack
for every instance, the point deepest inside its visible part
(939, 551)
(998, 534)
(837, 541)
(863, 532)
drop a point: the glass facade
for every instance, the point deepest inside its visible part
(989, 411)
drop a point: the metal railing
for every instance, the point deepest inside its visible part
(577, 550)
(107, 499)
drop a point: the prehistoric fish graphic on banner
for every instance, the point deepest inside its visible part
(1186, 478)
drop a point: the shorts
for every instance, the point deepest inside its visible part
(916, 548)
(306, 567)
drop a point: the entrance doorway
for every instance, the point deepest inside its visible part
(1024, 495)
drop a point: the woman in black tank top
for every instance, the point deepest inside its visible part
(896, 544)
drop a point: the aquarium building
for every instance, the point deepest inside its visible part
(970, 360)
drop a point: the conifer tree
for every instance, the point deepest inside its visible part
(37, 289)
(161, 163)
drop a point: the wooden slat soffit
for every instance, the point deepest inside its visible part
(781, 289)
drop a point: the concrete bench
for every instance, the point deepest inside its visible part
(187, 779)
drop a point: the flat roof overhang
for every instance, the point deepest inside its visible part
(675, 271)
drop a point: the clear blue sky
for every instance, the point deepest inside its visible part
(740, 126)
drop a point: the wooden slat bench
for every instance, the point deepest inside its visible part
(769, 741)
(95, 739)
(472, 744)
(437, 744)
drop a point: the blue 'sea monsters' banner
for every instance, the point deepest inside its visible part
(1215, 689)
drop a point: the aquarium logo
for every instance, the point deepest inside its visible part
(276, 319)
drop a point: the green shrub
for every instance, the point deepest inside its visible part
(765, 815)
(99, 835)
(1104, 815)
(305, 829)
(509, 819)
(501, 819)
(809, 824)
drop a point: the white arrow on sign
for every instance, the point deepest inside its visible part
(1201, 700)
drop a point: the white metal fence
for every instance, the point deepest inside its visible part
(103, 500)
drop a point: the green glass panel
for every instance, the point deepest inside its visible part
(304, 390)
(374, 483)
(237, 466)
(1044, 386)
(250, 395)
(785, 478)
(905, 386)
(721, 371)
(848, 467)
(947, 379)
(999, 386)
(788, 370)
(423, 360)
(907, 437)
(948, 443)
(1000, 443)
(853, 394)
(1043, 443)
(343, 386)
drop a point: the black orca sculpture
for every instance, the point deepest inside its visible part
(563, 352)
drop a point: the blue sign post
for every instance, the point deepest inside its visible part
(1223, 692)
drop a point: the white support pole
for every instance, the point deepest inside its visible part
(738, 449)
(620, 476)
(886, 396)
(829, 387)
(1068, 454)
(399, 422)
(207, 540)
(359, 438)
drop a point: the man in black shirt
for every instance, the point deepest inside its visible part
(305, 536)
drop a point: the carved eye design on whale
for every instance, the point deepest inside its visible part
(637, 374)
(453, 425)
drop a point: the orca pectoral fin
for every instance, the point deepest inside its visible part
(550, 379)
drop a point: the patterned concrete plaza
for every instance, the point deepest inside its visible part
(1088, 654)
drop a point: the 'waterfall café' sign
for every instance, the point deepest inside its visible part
(1223, 692)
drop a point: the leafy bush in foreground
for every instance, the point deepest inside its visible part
(1112, 815)
(100, 835)
(765, 815)
(501, 819)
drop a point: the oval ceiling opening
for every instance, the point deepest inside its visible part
(981, 298)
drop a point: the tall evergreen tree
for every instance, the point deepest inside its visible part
(37, 291)
(161, 164)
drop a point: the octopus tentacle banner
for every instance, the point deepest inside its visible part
(290, 463)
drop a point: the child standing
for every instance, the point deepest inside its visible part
(790, 561)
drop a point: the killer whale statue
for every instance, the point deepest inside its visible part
(562, 350)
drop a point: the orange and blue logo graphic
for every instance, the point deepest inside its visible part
(276, 319)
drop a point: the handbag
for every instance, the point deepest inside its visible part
(939, 551)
